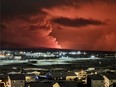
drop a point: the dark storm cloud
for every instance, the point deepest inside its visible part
(2, 26)
(12, 8)
(29, 7)
(78, 22)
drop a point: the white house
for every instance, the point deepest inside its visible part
(56, 85)
(16, 80)
(109, 79)
(71, 76)
(81, 74)
(30, 77)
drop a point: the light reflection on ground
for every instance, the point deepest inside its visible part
(46, 61)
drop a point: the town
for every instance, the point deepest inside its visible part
(57, 68)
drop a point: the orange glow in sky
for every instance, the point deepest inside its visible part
(66, 24)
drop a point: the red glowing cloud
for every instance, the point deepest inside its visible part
(70, 24)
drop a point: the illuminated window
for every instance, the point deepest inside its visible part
(60, 77)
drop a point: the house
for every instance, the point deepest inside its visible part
(63, 83)
(70, 76)
(56, 76)
(40, 84)
(113, 85)
(36, 72)
(2, 84)
(30, 77)
(15, 80)
(67, 84)
(109, 79)
(95, 81)
(61, 75)
(56, 84)
(81, 74)
(1, 78)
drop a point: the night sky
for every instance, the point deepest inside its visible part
(66, 24)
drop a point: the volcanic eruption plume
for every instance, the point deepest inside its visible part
(28, 34)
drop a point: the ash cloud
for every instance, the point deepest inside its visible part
(2, 27)
(77, 22)
(11, 8)
(26, 24)
(20, 36)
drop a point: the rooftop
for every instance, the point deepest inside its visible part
(17, 77)
(41, 84)
(67, 84)
(62, 74)
(96, 77)
(111, 76)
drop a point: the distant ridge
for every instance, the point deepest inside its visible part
(53, 49)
